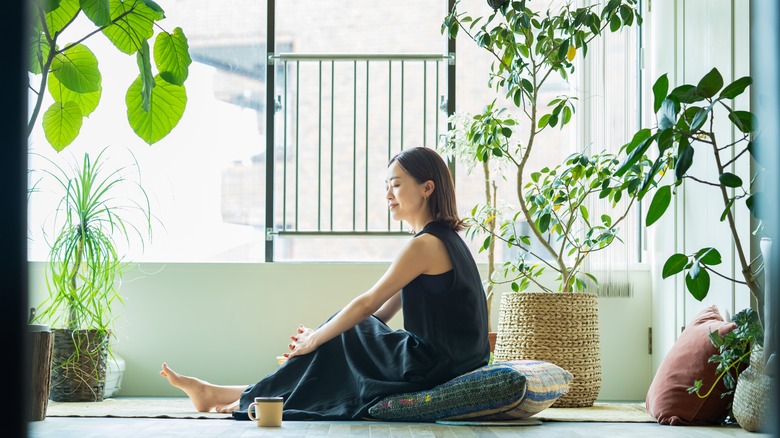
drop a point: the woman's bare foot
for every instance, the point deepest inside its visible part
(204, 395)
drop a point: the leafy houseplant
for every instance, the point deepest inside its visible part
(530, 47)
(686, 123)
(688, 117)
(70, 73)
(94, 218)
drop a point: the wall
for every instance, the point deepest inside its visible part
(686, 39)
(226, 323)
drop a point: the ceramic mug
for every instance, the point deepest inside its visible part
(269, 411)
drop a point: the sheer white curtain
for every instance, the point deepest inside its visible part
(608, 116)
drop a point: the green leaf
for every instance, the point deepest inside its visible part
(735, 88)
(59, 18)
(668, 116)
(48, 5)
(77, 69)
(38, 52)
(710, 84)
(744, 120)
(686, 94)
(127, 32)
(709, 256)
(87, 102)
(166, 109)
(637, 148)
(660, 88)
(684, 159)
(61, 124)
(699, 286)
(98, 11)
(728, 179)
(658, 205)
(146, 75)
(674, 265)
(543, 121)
(544, 223)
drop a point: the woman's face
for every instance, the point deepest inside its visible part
(405, 196)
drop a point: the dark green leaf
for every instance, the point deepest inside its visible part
(699, 286)
(686, 94)
(658, 205)
(674, 265)
(668, 116)
(660, 88)
(636, 148)
(544, 223)
(710, 84)
(744, 120)
(684, 159)
(730, 180)
(735, 88)
(708, 256)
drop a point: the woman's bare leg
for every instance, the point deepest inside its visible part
(204, 395)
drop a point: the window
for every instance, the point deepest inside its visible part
(207, 179)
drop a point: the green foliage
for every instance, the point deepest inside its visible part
(686, 130)
(70, 72)
(734, 351)
(529, 47)
(84, 266)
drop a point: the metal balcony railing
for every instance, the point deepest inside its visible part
(338, 119)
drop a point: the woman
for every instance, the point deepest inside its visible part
(354, 359)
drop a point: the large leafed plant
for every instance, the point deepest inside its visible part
(69, 71)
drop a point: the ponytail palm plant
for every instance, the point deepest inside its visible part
(96, 217)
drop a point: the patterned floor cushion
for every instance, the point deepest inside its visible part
(505, 390)
(488, 390)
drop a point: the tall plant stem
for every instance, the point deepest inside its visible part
(750, 279)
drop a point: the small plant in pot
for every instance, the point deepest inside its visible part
(95, 221)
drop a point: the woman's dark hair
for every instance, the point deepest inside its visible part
(424, 164)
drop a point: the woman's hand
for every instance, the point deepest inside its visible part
(302, 343)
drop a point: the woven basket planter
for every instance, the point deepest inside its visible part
(560, 328)
(78, 372)
(752, 396)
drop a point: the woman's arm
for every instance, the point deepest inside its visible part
(389, 308)
(418, 256)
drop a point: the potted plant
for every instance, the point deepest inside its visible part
(529, 47)
(688, 119)
(68, 73)
(94, 220)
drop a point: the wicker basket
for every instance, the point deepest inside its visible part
(560, 328)
(752, 395)
(79, 360)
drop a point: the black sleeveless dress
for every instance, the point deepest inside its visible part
(444, 336)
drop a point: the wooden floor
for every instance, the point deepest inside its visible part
(162, 427)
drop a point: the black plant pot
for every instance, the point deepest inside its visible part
(79, 363)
